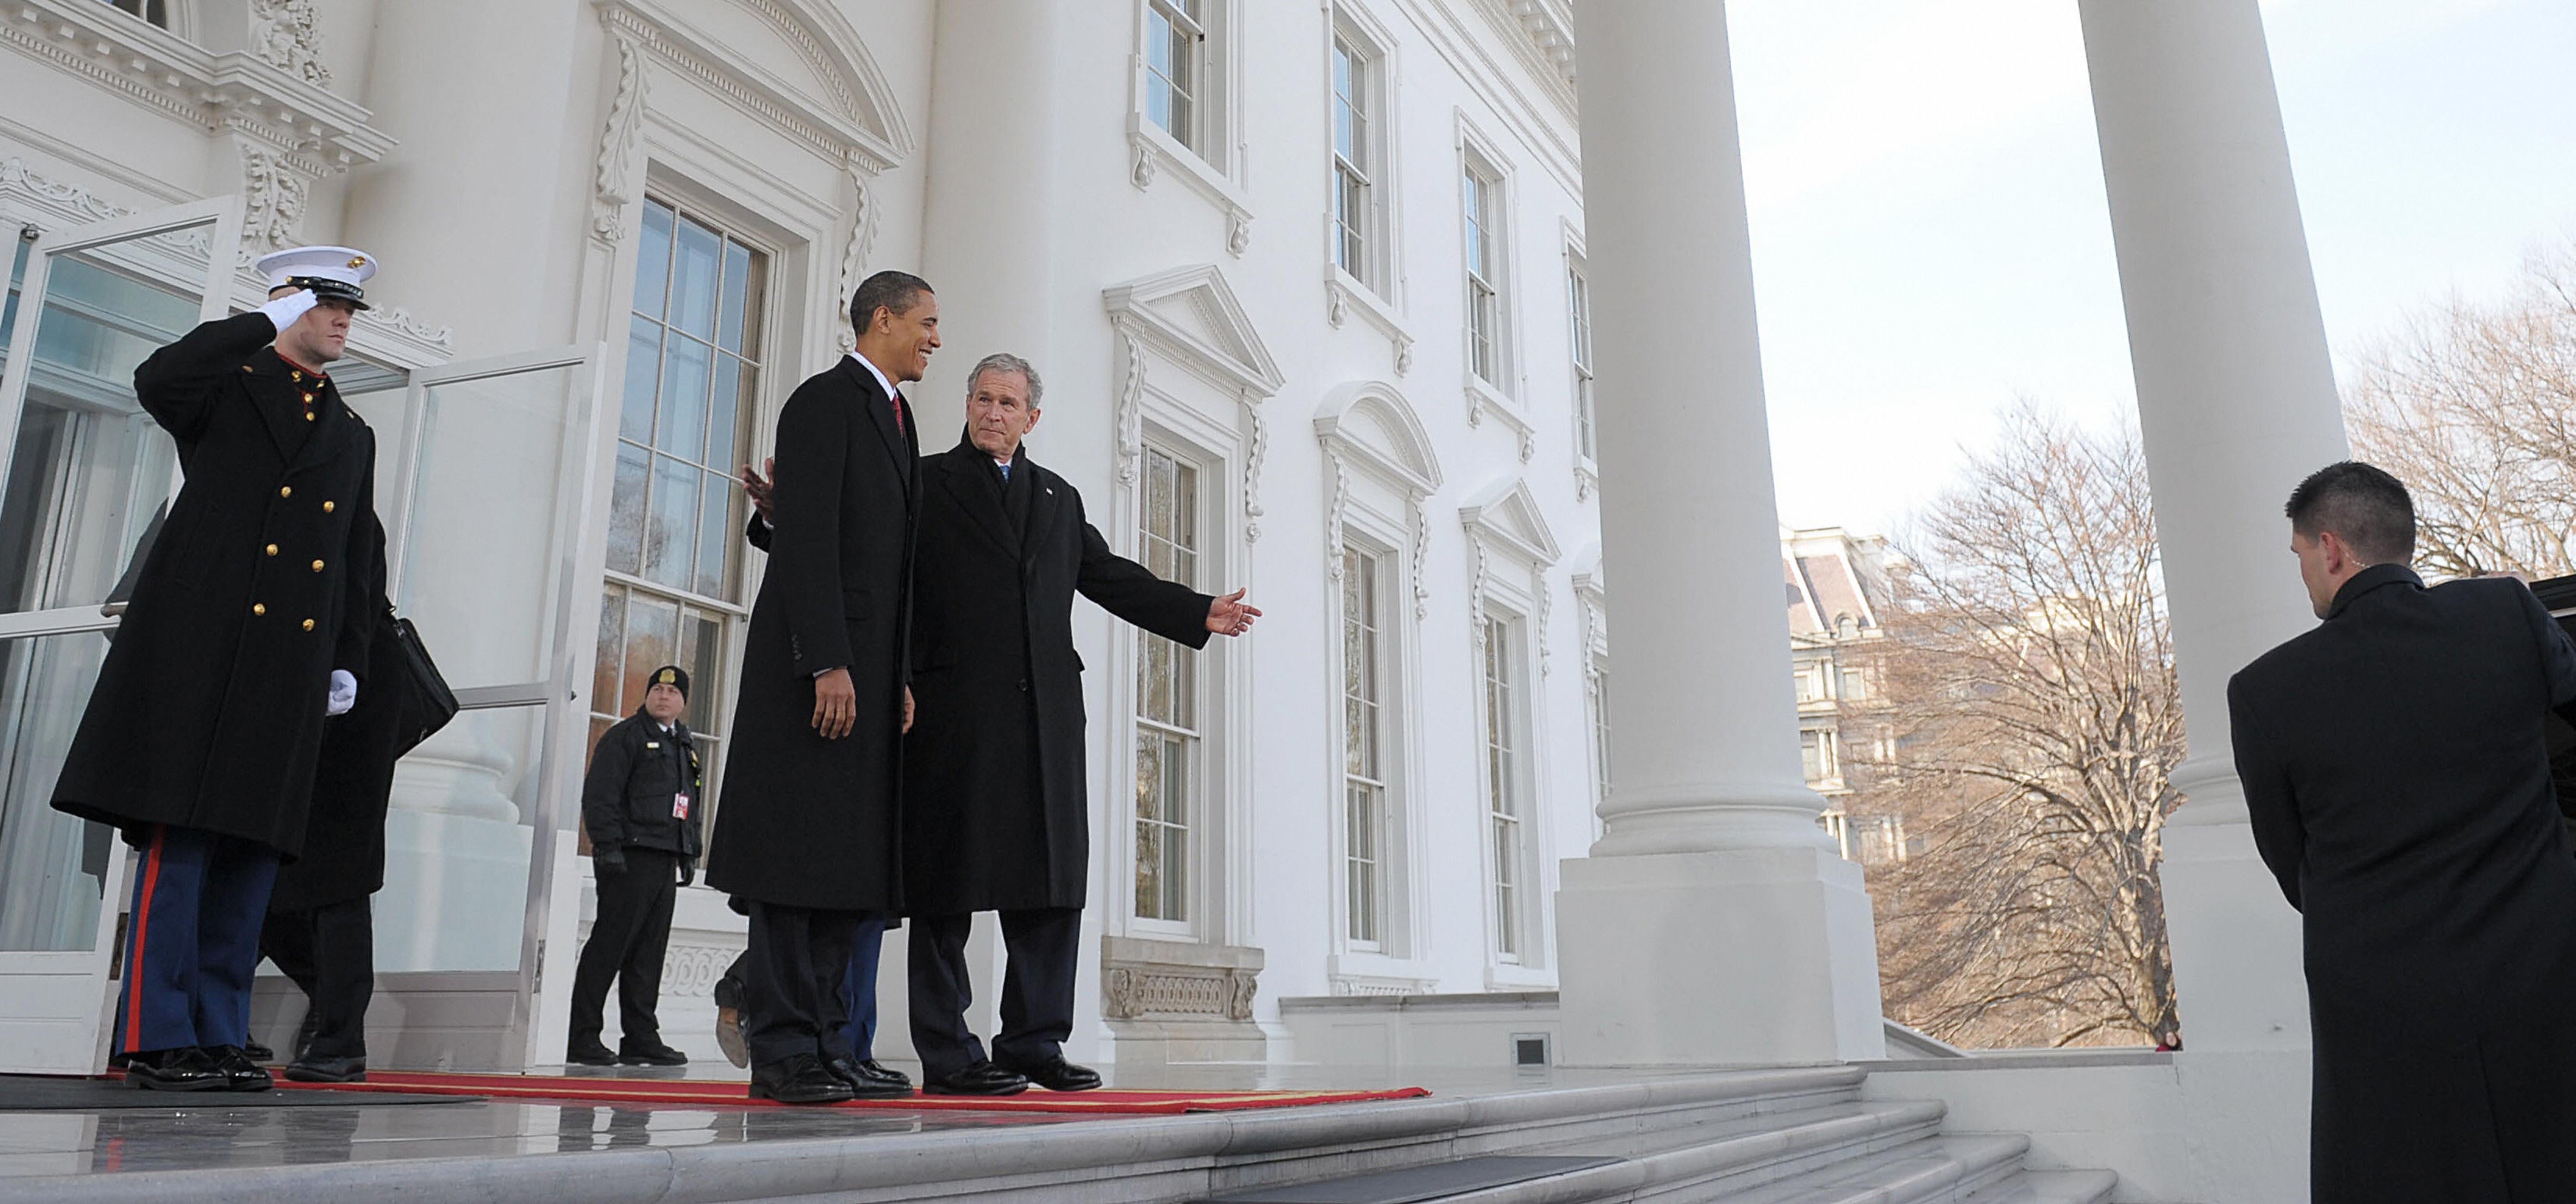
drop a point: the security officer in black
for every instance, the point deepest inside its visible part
(640, 805)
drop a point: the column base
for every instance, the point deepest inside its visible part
(1740, 957)
(2237, 953)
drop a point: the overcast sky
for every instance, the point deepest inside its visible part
(1930, 237)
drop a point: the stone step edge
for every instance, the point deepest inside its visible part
(1982, 1161)
(823, 1165)
(2049, 1187)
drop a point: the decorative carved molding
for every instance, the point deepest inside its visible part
(1238, 232)
(1337, 303)
(1141, 980)
(1586, 481)
(1403, 354)
(272, 200)
(1546, 604)
(1381, 986)
(854, 257)
(1141, 161)
(1482, 401)
(400, 322)
(285, 109)
(1333, 521)
(1260, 449)
(1483, 575)
(281, 31)
(1131, 405)
(620, 137)
(1421, 553)
(70, 200)
(690, 971)
(838, 127)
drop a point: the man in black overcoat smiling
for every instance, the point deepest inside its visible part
(995, 816)
(807, 833)
(250, 624)
(2397, 779)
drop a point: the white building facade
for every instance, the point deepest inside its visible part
(1307, 284)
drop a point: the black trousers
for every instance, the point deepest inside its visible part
(795, 974)
(626, 943)
(1037, 989)
(330, 953)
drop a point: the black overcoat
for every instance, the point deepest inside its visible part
(353, 778)
(208, 709)
(803, 821)
(627, 793)
(2398, 785)
(995, 809)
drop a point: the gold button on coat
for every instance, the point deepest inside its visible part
(308, 624)
(327, 507)
(259, 608)
(272, 549)
(286, 491)
(317, 566)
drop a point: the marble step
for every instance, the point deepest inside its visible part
(2049, 1187)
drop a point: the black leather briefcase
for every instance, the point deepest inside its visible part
(427, 703)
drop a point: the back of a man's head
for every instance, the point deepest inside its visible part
(894, 292)
(2362, 505)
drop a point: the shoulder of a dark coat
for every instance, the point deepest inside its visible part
(1051, 479)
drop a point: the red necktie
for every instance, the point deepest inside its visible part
(898, 411)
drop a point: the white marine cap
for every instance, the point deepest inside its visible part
(329, 271)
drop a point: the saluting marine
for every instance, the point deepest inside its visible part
(250, 623)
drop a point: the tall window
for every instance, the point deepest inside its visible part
(1352, 154)
(154, 11)
(1167, 699)
(1175, 67)
(1364, 749)
(674, 586)
(1502, 786)
(1484, 271)
(1578, 316)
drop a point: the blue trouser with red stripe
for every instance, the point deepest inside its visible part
(193, 941)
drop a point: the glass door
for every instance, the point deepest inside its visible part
(490, 505)
(82, 472)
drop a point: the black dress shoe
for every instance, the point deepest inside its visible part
(982, 1078)
(183, 1069)
(798, 1080)
(868, 1080)
(240, 1073)
(639, 1053)
(258, 1053)
(1060, 1075)
(310, 1069)
(589, 1053)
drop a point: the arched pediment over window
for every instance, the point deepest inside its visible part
(797, 63)
(1371, 425)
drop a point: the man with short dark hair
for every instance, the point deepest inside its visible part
(2397, 782)
(809, 839)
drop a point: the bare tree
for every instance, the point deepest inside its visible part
(2473, 405)
(2037, 721)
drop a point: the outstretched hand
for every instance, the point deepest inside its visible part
(757, 487)
(1229, 615)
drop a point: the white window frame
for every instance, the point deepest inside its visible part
(1192, 729)
(1478, 157)
(1583, 400)
(1377, 673)
(1510, 551)
(1209, 160)
(1379, 470)
(1502, 639)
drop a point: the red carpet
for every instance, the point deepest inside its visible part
(1105, 1102)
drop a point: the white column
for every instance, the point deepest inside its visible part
(2237, 402)
(1713, 922)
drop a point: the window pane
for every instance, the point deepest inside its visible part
(626, 511)
(652, 640)
(653, 259)
(715, 535)
(643, 379)
(694, 279)
(607, 690)
(724, 411)
(737, 296)
(687, 366)
(670, 531)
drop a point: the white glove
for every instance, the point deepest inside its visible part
(344, 692)
(286, 310)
